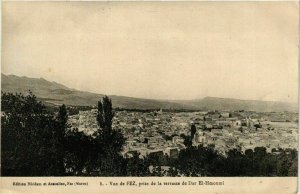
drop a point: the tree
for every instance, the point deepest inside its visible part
(62, 117)
(30, 139)
(63, 126)
(105, 114)
(108, 143)
(193, 131)
(137, 166)
(187, 140)
(199, 161)
(80, 153)
(257, 125)
(234, 162)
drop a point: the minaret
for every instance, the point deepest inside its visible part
(160, 111)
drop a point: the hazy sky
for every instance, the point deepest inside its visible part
(157, 50)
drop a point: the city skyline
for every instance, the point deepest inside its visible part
(153, 52)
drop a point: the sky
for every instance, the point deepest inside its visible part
(244, 50)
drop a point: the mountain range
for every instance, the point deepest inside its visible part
(53, 93)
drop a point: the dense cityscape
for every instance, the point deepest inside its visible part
(163, 132)
(39, 140)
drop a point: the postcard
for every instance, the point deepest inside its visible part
(149, 97)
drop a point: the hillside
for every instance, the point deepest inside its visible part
(55, 93)
(214, 103)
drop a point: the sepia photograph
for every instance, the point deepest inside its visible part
(149, 89)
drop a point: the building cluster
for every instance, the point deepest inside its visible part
(84, 121)
(163, 133)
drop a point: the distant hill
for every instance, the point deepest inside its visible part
(214, 103)
(56, 94)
